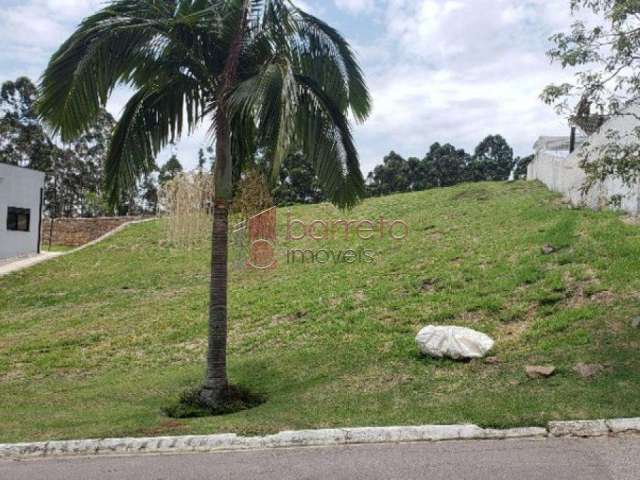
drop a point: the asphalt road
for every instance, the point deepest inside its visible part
(593, 459)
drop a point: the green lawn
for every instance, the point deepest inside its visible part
(94, 344)
(57, 248)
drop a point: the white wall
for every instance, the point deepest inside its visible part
(560, 171)
(19, 187)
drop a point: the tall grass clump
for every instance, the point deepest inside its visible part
(186, 202)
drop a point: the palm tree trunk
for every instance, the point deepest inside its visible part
(216, 383)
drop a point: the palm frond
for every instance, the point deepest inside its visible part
(327, 140)
(152, 119)
(319, 34)
(296, 83)
(306, 83)
(82, 73)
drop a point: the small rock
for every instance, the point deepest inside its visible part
(492, 360)
(635, 323)
(603, 297)
(587, 370)
(428, 285)
(548, 249)
(359, 296)
(276, 319)
(537, 371)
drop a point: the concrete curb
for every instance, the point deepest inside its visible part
(594, 428)
(314, 438)
(17, 264)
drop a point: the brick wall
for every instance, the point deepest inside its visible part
(74, 232)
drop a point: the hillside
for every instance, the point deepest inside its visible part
(95, 343)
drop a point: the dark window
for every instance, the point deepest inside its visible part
(18, 219)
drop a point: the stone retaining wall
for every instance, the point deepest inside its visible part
(75, 232)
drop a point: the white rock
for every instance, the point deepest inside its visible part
(453, 342)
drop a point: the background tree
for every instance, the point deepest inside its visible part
(74, 181)
(260, 72)
(206, 159)
(75, 172)
(23, 140)
(202, 160)
(89, 152)
(149, 195)
(392, 176)
(170, 169)
(492, 160)
(64, 185)
(520, 173)
(443, 166)
(298, 182)
(606, 52)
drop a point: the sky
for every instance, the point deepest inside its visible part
(438, 70)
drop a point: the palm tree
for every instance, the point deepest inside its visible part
(258, 72)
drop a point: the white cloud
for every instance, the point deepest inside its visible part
(439, 70)
(72, 9)
(31, 30)
(456, 71)
(306, 6)
(355, 6)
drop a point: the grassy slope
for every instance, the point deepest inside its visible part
(94, 344)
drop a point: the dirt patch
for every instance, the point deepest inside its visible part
(429, 285)
(471, 317)
(375, 380)
(477, 194)
(280, 319)
(582, 292)
(194, 346)
(359, 297)
(513, 331)
(631, 220)
(167, 426)
(435, 236)
(456, 261)
(606, 297)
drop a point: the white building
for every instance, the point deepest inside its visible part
(560, 170)
(21, 192)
